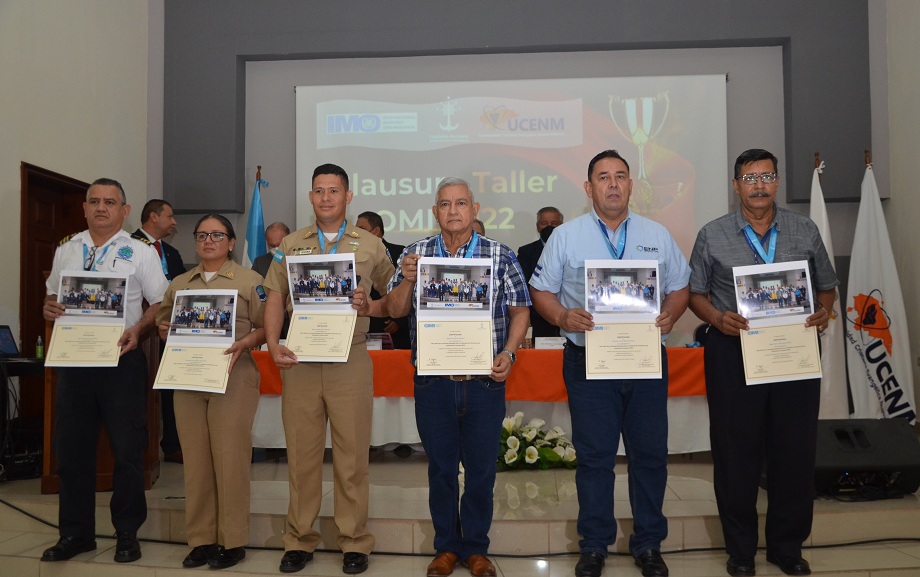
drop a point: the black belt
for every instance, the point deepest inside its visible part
(569, 343)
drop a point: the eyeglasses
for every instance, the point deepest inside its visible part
(90, 257)
(214, 236)
(751, 179)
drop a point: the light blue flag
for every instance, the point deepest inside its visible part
(255, 229)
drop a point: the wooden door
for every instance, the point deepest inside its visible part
(51, 208)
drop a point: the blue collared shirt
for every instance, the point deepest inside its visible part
(509, 288)
(561, 269)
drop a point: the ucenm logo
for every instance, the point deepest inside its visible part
(504, 118)
(873, 342)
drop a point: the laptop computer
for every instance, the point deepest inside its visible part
(9, 352)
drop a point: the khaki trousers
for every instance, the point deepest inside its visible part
(215, 432)
(343, 393)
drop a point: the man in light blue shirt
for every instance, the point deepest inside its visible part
(603, 409)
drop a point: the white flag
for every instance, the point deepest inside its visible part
(878, 352)
(833, 357)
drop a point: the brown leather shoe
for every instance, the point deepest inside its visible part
(480, 566)
(442, 565)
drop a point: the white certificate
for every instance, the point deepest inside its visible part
(623, 351)
(780, 353)
(321, 337)
(94, 320)
(202, 327)
(454, 347)
(84, 345)
(193, 368)
(776, 299)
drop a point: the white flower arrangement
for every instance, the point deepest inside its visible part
(530, 447)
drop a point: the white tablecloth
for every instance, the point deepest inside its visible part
(394, 422)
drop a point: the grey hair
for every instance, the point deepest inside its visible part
(454, 181)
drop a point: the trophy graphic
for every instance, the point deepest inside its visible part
(640, 120)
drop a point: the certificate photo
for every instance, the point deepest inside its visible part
(204, 315)
(613, 286)
(774, 293)
(322, 279)
(447, 284)
(92, 295)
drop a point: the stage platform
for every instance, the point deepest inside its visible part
(533, 533)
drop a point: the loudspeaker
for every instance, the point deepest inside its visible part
(867, 457)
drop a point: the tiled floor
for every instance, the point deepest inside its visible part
(534, 515)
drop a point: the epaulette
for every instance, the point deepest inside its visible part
(66, 239)
(141, 238)
(310, 233)
(354, 234)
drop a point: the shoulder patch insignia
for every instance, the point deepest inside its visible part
(260, 290)
(66, 239)
(141, 238)
(354, 234)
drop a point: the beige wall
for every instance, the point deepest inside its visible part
(903, 209)
(73, 99)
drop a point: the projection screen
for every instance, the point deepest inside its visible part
(521, 144)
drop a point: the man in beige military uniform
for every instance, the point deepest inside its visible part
(341, 393)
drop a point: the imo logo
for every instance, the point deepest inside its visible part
(352, 123)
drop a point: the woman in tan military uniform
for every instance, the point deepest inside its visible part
(215, 429)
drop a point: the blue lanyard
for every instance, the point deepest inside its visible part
(322, 239)
(616, 253)
(470, 247)
(757, 246)
(163, 258)
(99, 259)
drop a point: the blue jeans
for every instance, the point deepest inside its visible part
(602, 410)
(460, 422)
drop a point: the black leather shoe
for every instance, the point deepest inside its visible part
(127, 549)
(227, 557)
(295, 561)
(590, 564)
(790, 565)
(738, 567)
(200, 555)
(66, 548)
(354, 563)
(652, 564)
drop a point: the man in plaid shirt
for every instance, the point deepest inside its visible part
(459, 417)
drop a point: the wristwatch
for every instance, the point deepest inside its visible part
(510, 354)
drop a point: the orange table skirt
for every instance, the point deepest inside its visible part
(537, 376)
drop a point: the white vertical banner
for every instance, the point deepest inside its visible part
(833, 357)
(878, 351)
